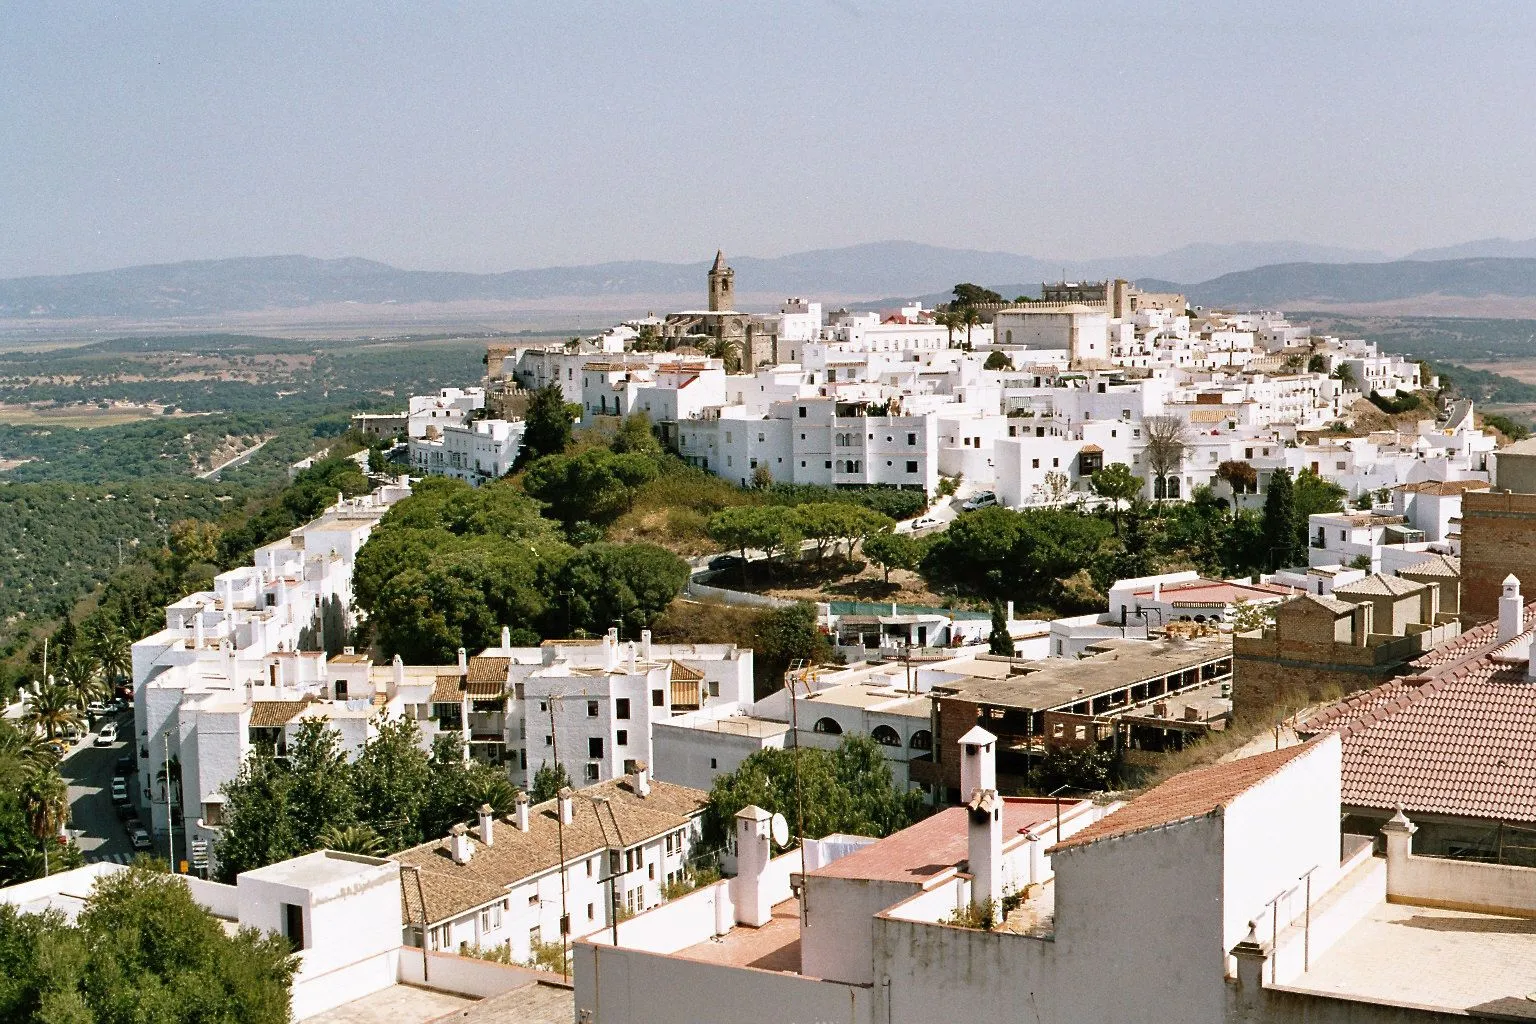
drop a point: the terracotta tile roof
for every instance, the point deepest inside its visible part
(271, 714)
(488, 671)
(1443, 487)
(1209, 415)
(935, 844)
(1379, 585)
(682, 672)
(1337, 607)
(1448, 566)
(446, 689)
(1091, 449)
(1458, 738)
(1193, 794)
(452, 889)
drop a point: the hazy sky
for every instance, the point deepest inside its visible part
(518, 134)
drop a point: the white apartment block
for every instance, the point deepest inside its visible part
(476, 452)
(449, 407)
(228, 662)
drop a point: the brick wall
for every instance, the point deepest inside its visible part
(1498, 537)
(1260, 683)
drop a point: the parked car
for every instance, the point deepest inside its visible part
(981, 499)
(924, 523)
(120, 790)
(124, 765)
(107, 735)
(57, 747)
(720, 563)
(98, 708)
(139, 838)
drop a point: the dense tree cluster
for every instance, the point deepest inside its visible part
(848, 789)
(141, 950)
(34, 806)
(393, 795)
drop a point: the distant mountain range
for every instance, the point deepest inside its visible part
(1240, 274)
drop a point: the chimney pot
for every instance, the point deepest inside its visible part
(506, 638)
(458, 844)
(642, 779)
(749, 891)
(1511, 610)
(487, 821)
(520, 810)
(567, 806)
(463, 661)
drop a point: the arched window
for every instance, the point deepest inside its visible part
(828, 726)
(1173, 487)
(885, 735)
(1159, 488)
(921, 740)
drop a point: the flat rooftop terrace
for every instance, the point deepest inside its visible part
(1423, 956)
(773, 947)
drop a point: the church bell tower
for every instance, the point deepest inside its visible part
(722, 285)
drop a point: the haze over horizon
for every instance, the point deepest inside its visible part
(486, 138)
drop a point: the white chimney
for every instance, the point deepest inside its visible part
(1157, 590)
(506, 638)
(487, 818)
(642, 779)
(197, 630)
(749, 889)
(978, 762)
(399, 667)
(984, 847)
(629, 658)
(520, 811)
(611, 650)
(463, 661)
(1010, 611)
(645, 644)
(567, 806)
(458, 844)
(1511, 610)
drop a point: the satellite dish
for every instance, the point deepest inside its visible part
(780, 830)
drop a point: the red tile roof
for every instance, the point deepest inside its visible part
(1458, 738)
(1193, 794)
(935, 844)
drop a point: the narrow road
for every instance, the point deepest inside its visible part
(237, 460)
(93, 820)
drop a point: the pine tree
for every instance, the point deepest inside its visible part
(1000, 641)
(1280, 522)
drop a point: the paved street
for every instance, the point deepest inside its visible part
(88, 771)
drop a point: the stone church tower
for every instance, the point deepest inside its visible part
(722, 285)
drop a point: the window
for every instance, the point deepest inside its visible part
(1055, 463)
(1034, 463)
(921, 740)
(533, 899)
(591, 866)
(911, 439)
(1080, 732)
(595, 746)
(829, 463)
(651, 872)
(802, 412)
(713, 763)
(885, 735)
(623, 738)
(621, 709)
(591, 771)
(589, 911)
(828, 726)
(911, 465)
(658, 699)
(591, 709)
(535, 937)
(549, 741)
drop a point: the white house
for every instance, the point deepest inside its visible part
(475, 452)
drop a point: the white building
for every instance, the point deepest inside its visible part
(476, 452)
(501, 882)
(1239, 867)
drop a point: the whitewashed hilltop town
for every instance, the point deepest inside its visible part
(1203, 689)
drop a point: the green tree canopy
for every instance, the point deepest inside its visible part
(547, 424)
(141, 950)
(1000, 641)
(595, 486)
(890, 550)
(998, 361)
(967, 294)
(548, 781)
(1116, 483)
(848, 789)
(1279, 522)
(628, 583)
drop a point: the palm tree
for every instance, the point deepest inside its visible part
(358, 839)
(949, 320)
(494, 790)
(45, 801)
(19, 753)
(77, 674)
(113, 652)
(52, 712)
(970, 317)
